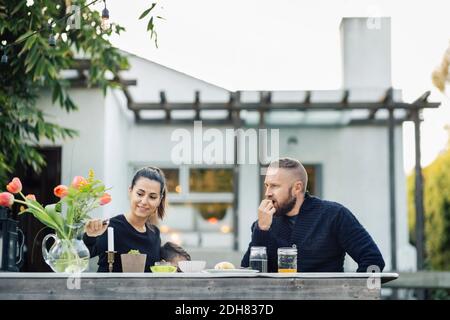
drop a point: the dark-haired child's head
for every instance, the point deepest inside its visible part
(173, 253)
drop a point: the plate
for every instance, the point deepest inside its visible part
(230, 271)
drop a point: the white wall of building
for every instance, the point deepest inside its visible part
(118, 121)
(86, 151)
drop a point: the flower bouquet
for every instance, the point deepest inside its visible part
(66, 217)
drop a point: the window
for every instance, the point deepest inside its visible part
(211, 180)
(172, 179)
(313, 183)
(200, 212)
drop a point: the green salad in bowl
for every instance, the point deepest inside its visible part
(163, 267)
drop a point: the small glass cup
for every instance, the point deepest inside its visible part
(258, 259)
(287, 259)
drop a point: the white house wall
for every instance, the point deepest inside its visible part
(86, 151)
(118, 121)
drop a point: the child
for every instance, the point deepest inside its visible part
(173, 253)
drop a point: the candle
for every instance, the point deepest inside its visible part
(110, 239)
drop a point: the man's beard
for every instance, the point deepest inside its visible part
(287, 206)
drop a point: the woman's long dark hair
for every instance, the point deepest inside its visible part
(155, 174)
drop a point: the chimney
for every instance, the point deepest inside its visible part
(366, 52)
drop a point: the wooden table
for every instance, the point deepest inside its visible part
(193, 286)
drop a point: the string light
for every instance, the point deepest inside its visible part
(105, 18)
(52, 39)
(4, 59)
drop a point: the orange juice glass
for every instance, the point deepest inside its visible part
(287, 259)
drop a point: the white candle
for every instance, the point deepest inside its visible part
(110, 239)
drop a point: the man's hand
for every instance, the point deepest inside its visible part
(265, 214)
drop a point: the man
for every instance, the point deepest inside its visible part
(323, 231)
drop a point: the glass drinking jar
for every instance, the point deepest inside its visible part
(258, 259)
(287, 259)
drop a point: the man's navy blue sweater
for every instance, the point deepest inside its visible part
(323, 232)
(126, 238)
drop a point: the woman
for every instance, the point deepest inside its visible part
(134, 230)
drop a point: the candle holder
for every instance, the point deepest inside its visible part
(111, 255)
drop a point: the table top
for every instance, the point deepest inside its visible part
(385, 277)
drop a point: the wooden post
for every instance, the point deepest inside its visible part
(418, 200)
(392, 202)
(197, 105)
(236, 121)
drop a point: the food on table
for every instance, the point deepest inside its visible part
(224, 265)
(163, 269)
(134, 252)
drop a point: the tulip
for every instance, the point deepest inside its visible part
(60, 191)
(6, 199)
(15, 186)
(105, 199)
(78, 181)
(31, 197)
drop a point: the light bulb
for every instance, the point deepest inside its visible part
(4, 58)
(52, 40)
(105, 25)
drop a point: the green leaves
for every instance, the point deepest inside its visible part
(47, 216)
(146, 12)
(55, 216)
(436, 211)
(25, 35)
(34, 67)
(151, 24)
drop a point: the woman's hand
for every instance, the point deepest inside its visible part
(95, 227)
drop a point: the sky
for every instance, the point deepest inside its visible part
(293, 45)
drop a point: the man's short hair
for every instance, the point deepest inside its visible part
(295, 166)
(170, 250)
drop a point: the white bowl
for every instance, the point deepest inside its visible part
(191, 266)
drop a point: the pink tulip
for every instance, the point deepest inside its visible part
(105, 199)
(31, 197)
(15, 186)
(60, 191)
(6, 199)
(78, 181)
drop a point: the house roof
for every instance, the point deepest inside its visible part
(171, 69)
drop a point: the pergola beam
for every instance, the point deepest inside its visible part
(388, 99)
(82, 82)
(285, 106)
